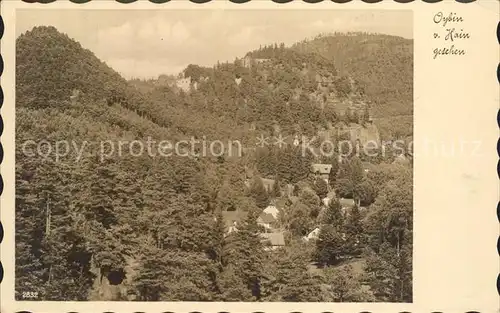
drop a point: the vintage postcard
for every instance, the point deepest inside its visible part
(249, 157)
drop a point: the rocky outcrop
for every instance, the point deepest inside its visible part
(354, 132)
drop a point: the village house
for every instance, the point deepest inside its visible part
(321, 170)
(313, 235)
(266, 220)
(273, 210)
(273, 241)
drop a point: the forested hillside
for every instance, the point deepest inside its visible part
(137, 227)
(382, 65)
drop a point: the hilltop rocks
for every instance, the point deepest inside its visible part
(184, 84)
(248, 61)
(353, 132)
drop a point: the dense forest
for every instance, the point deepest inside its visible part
(155, 229)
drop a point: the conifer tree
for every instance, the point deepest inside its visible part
(365, 117)
(148, 283)
(404, 274)
(356, 171)
(344, 169)
(299, 219)
(217, 247)
(349, 178)
(101, 205)
(354, 232)
(259, 192)
(289, 278)
(276, 191)
(382, 274)
(301, 286)
(365, 192)
(346, 285)
(332, 176)
(333, 214)
(248, 254)
(232, 286)
(329, 245)
(320, 187)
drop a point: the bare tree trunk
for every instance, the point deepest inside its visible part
(401, 292)
(398, 245)
(47, 217)
(50, 274)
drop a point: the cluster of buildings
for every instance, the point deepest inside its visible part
(268, 220)
(271, 234)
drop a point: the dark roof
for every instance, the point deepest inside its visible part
(321, 168)
(267, 217)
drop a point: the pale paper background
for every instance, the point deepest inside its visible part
(455, 225)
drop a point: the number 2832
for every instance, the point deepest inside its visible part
(30, 294)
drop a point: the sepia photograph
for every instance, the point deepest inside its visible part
(214, 155)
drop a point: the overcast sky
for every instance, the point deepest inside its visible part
(149, 43)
